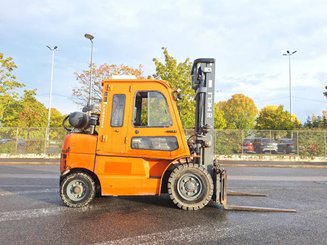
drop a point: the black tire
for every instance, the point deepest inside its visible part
(77, 190)
(190, 186)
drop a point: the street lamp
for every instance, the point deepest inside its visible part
(50, 98)
(90, 37)
(288, 53)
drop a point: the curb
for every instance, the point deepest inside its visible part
(272, 164)
(242, 165)
(271, 158)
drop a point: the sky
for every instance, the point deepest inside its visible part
(247, 39)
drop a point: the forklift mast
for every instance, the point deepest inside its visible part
(203, 82)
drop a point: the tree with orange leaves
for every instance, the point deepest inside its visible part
(105, 71)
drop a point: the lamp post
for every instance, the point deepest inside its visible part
(289, 54)
(90, 37)
(50, 98)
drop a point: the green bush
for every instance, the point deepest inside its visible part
(228, 142)
(8, 148)
(311, 143)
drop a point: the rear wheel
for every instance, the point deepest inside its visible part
(77, 190)
(190, 186)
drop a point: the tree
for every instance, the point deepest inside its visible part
(56, 118)
(10, 116)
(8, 89)
(105, 71)
(20, 111)
(308, 123)
(239, 111)
(315, 122)
(220, 121)
(33, 112)
(274, 117)
(178, 75)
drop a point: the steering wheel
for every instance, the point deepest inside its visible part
(68, 129)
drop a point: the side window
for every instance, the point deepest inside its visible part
(151, 110)
(117, 110)
(168, 143)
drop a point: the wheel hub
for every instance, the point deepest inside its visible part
(189, 187)
(76, 190)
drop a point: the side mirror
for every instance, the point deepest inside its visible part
(177, 94)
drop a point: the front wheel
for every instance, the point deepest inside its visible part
(77, 190)
(190, 186)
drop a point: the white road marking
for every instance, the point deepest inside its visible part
(26, 185)
(30, 176)
(43, 212)
(187, 234)
(279, 178)
(30, 213)
(209, 232)
(9, 193)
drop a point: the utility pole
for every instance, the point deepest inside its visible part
(90, 37)
(47, 131)
(289, 54)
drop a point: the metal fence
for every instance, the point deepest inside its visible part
(16, 141)
(303, 143)
(306, 143)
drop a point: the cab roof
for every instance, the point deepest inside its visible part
(135, 81)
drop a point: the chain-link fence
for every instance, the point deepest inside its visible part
(304, 143)
(16, 141)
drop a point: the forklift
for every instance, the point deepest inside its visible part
(136, 145)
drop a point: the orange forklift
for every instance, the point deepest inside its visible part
(137, 146)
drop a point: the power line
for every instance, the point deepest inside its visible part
(271, 99)
(59, 95)
(309, 99)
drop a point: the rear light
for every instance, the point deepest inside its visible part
(64, 151)
(63, 162)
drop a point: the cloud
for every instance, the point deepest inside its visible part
(247, 38)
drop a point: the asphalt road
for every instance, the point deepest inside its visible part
(31, 212)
